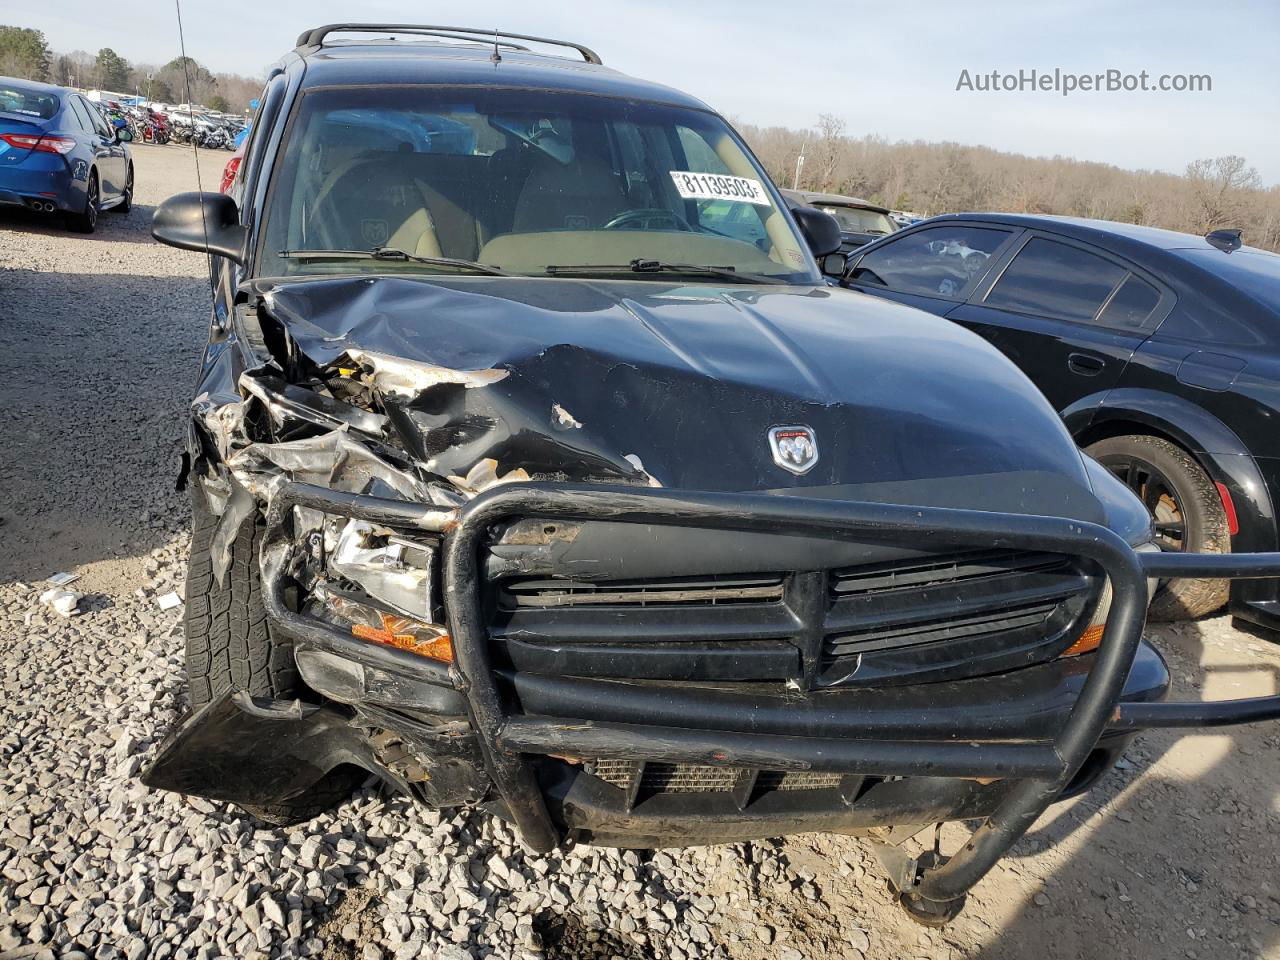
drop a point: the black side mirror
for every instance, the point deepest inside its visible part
(185, 220)
(820, 230)
(123, 134)
(834, 264)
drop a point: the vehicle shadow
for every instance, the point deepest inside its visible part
(98, 373)
(131, 227)
(1179, 862)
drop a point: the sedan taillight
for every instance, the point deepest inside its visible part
(26, 141)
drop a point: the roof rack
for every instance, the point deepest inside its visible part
(314, 38)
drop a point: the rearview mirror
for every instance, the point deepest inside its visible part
(123, 134)
(834, 264)
(206, 222)
(820, 230)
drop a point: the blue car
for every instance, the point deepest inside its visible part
(57, 154)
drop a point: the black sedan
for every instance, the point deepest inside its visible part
(1160, 350)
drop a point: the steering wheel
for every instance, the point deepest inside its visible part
(642, 218)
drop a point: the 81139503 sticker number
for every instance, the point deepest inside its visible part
(715, 186)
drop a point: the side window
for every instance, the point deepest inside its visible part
(259, 133)
(99, 125)
(943, 261)
(78, 111)
(1056, 280)
(1131, 306)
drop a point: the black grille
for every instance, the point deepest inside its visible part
(934, 571)
(700, 591)
(941, 610)
(932, 631)
(907, 620)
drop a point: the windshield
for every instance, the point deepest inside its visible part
(27, 101)
(527, 182)
(857, 220)
(1254, 271)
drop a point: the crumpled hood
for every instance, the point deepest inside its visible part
(677, 385)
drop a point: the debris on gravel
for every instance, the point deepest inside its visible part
(1172, 856)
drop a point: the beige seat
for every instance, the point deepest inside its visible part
(386, 200)
(582, 194)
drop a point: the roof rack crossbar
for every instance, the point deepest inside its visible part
(487, 41)
(314, 38)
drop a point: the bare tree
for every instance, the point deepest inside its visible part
(828, 151)
(1221, 188)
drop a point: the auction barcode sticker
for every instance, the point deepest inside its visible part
(714, 186)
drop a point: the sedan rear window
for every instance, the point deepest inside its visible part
(1131, 306)
(1056, 280)
(27, 101)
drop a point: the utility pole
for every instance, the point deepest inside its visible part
(795, 181)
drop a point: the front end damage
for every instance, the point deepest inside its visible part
(492, 606)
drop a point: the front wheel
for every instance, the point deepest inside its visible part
(126, 202)
(1187, 510)
(230, 647)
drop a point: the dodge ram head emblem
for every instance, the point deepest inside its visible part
(794, 448)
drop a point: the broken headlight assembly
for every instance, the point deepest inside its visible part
(379, 585)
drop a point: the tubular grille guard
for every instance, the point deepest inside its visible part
(1040, 769)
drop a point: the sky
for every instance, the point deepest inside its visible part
(889, 69)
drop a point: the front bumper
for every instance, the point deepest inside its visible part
(999, 747)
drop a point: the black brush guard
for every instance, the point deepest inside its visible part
(1039, 770)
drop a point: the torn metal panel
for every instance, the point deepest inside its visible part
(285, 401)
(405, 378)
(238, 507)
(333, 460)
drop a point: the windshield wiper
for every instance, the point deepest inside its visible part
(640, 265)
(391, 254)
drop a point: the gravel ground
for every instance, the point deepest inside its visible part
(1174, 855)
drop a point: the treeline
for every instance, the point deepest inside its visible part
(25, 53)
(931, 178)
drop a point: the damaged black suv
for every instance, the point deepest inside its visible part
(535, 467)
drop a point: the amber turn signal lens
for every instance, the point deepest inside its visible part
(397, 632)
(1087, 641)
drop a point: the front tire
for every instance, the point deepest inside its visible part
(126, 202)
(230, 647)
(1188, 513)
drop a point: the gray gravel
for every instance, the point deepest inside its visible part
(102, 335)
